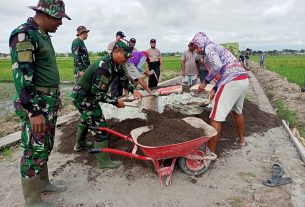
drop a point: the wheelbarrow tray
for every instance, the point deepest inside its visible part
(181, 149)
(188, 150)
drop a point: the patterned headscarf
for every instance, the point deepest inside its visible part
(201, 40)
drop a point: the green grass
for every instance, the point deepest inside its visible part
(6, 152)
(290, 66)
(285, 114)
(7, 91)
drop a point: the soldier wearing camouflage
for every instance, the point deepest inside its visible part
(92, 89)
(80, 53)
(36, 80)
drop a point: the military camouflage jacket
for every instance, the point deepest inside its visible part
(80, 55)
(32, 65)
(98, 77)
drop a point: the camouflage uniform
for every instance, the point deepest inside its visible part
(80, 55)
(36, 79)
(92, 89)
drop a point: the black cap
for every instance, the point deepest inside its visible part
(133, 40)
(152, 40)
(121, 34)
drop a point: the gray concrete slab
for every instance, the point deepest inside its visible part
(12, 139)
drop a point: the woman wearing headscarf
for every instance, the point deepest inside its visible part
(229, 91)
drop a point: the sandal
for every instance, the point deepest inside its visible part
(277, 171)
(277, 181)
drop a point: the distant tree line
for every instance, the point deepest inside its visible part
(277, 52)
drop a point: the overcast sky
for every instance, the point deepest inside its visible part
(255, 24)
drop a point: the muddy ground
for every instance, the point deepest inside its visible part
(235, 179)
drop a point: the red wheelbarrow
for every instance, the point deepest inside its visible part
(194, 155)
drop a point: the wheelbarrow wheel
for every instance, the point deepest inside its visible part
(195, 167)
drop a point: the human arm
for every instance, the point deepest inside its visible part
(23, 48)
(161, 62)
(183, 64)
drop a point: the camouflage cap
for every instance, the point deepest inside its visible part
(81, 29)
(53, 8)
(125, 45)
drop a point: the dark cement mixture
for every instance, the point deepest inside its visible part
(256, 121)
(170, 131)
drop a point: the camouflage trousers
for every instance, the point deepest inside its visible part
(91, 112)
(37, 147)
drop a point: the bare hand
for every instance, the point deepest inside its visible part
(212, 94)
(147, 73)
(137, 95)
(38, 124)
(80, 73)
(120, 103)
(201, 87)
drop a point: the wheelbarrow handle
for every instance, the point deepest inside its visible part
(118, 134)
(119, 152)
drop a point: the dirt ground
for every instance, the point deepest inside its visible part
(235, 179)
(277, 88)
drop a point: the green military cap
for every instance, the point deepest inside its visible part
(127, 47)
(53, 8)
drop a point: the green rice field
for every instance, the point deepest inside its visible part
(65, 65)
(290, 66)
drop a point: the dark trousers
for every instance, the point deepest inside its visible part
(202, 74)
(152, 81)
(116, 87)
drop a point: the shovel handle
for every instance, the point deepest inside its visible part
(94, 150)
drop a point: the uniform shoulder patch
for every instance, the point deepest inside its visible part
(25, 51)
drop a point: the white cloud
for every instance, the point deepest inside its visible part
(255, 24)
(280, 8)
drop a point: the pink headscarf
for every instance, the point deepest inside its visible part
(201, 40)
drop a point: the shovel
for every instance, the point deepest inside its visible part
(199, 104)
(149, 102)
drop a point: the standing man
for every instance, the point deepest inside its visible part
(229, 91)
(135, 65)
(133, 44)
(80, 53)
(36, 79)
(262, 59)
(119, 35)
(116, 86)
(188, 65)
(247, 56)
(155, 64)
(202, 67)
(92, 89)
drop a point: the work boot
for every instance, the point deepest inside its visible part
(81, 143)
(103, 159)
(46, 186)
(32, 192)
